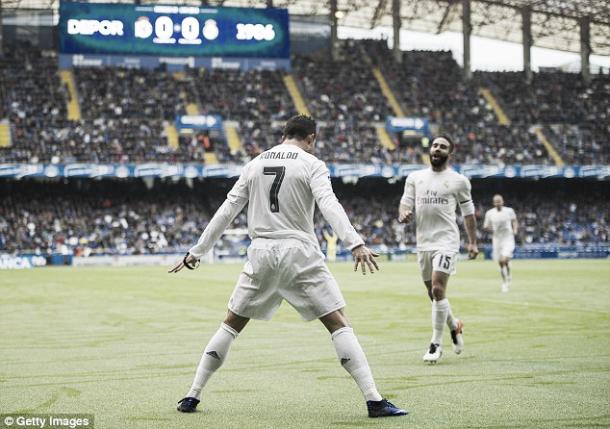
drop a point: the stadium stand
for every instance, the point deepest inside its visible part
(90, 217)
(576, 116)
(134, 94)
(344, 95)
(33, 99)
(430, 84)
(256, 99)
(125, 111)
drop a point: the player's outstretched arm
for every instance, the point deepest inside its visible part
(335, 215)
(470, 223)
(487, 223)
(220, 221)
(407, 201)
(363, 255)
(405, 213)
(515, 224)
(236, 200)
(331, 209)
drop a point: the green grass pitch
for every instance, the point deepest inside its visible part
(123, 344)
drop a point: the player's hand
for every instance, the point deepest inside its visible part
(177, 267)
(190, 259)
(364, 257)
(405, 216)
(473, 251)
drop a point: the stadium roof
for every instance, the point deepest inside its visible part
(554, 22)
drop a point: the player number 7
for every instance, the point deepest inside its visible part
(279, 173)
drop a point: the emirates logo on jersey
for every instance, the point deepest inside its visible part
(432, 198)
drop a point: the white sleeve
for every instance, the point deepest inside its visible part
(408, 196)
(487, 221)
(464, 198)
(330, 207)
(235, 202)
(512, 215)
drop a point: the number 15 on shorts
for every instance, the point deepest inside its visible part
(444, 262)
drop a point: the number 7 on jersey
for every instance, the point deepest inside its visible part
(279, 173)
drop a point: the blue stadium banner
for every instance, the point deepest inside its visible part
(200, 122)
(172, 64)
(177, 170)
(173, 30)
(413, 125)
(553, 251)
(20, 262)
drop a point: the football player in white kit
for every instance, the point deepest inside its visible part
(434, 194)
(281, 187)
(502, 223)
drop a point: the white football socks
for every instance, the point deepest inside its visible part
(440, 310)
(213, 357)
(354, 361)
(451, 320)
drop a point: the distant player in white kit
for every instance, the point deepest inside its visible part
(281, 187)
(434, 194)
(502, 223)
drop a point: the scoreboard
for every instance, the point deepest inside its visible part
(173, 30)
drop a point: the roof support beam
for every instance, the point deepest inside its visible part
(526, 40)
(441, 25)
(466, 31)
(379, 11)
(585, 48)
(396, 28)
(333, 29)
(601, 19)
(1, 29)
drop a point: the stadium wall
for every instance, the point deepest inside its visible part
(26, 261)
(192, 171)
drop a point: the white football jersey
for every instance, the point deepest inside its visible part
(500, 222)
(435, 197)
(281, 186)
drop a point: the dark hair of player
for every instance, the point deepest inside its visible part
(299, 127)
(449, 139)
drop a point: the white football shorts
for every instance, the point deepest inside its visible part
(436, 260)
(503, 247)
(287, 269)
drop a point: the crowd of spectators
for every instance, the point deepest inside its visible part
(136, 94)
(344, 95)
(92, 140)
(89, 217)
(122, 121)
(31, 88)
(33, 99)
(576, 115)
(557, 213)
(256, 100)
(95, 218)
(431, 85)
(124, 111)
